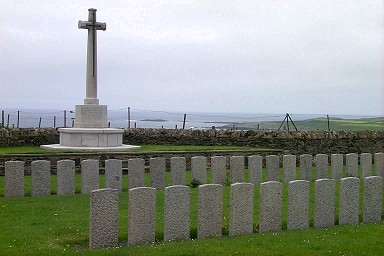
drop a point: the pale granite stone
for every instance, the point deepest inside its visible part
(14, 179)
(373, 199)
(271, 206)
(210, 211)
(351, 161)
(219, 170)
(41, 178)
(366, 164)
(177, 200)
(306, 167)
(337, 166)
(178, 170)
(65, 177)
(324, 203)
(298, 204)
(136, 170)
(236, 167)
(255, 169)
(272, 162)
(157, 172)
(379, 164)
(113, 174)
(349, 201)
(289, 168)
(321, 161)
(89, 176)
(241, 209)
(141, 215)
(199, 168)
(103, 221)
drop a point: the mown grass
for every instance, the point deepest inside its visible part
(59, 225)
(144, 148)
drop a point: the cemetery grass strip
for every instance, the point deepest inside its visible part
(144, 148)
(59, 224)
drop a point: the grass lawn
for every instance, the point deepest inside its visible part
(144, 148)
(59, 225)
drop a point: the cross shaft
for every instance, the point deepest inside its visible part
(91, 25)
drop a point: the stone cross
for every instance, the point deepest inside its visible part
(92, 26)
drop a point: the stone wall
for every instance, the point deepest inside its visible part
(314, 142)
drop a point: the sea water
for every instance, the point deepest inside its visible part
(118, 118)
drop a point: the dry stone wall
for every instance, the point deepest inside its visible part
(311, 142)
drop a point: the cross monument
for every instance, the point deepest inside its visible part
(92, 26)
(91, 131)
(91, 114)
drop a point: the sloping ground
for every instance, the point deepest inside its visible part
(336, 124)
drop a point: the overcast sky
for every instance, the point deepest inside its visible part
(303, 56)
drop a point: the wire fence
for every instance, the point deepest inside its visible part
(141, 118)
(131, 118)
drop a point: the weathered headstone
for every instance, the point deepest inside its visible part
(272, 162)
(41, 178)
(351, 161)
(324, 203)
(379, 164)
(321, 161)
(366, 164)
(210, 210)
(337, 166)
(136, 170)
(65, 177)
(298, 204)
(289, 168)
(236, 168)
(241, 209)
(255, 169)
(199, 168)
(89, 175)
(103, 221)
(141, 215)
(113, 174)
(178, 170)
(177, 212)
(14, 179)
(219, 170)
(349, 201)
(157, 172)
(271, 206)
(306, 167)
(373, 199)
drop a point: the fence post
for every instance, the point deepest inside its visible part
(65, 118)
(2, 118)
(185, 118)
(129, 118)
(18, 119)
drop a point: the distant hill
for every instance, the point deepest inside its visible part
(336, 124)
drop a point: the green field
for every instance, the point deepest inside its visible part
(336, 124)
(53, 225)
(144, 148)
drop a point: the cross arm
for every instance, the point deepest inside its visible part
(89, 25)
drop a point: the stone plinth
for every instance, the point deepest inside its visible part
(91, 116)
(91, 139)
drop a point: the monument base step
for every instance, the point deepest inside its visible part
(117, 148)
(108, 139)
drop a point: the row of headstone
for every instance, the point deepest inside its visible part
(177, 201)
(41, 179)
(40, 171)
